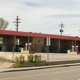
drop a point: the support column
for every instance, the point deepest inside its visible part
(59, 46)
(8, 43)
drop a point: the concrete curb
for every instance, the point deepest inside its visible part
(40, 67)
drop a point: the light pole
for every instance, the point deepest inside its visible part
(28, 41)
(13, 54)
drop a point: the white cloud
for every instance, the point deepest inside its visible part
(32, 14)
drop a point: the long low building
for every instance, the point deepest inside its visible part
(38, 41)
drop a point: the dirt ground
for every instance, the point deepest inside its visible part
(5, 64)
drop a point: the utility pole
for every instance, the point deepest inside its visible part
(61, 25)
(79, 30)
(17, 22)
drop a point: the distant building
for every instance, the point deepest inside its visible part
(38, 41)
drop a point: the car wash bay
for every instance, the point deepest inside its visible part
(57, 45)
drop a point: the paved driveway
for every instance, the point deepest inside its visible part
(59, 56)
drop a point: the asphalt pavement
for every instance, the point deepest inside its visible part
(61, 73)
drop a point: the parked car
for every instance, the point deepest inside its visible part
(18, 47)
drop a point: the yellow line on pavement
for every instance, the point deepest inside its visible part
(42, 74)
(26, 76)
(66, 71)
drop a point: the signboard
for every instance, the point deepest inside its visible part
(48, 41)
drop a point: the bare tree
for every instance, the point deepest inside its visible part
(3, 24)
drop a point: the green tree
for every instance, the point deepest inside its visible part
(3, 24)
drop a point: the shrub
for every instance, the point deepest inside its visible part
(34, 58)
(16, 65)
(20, 59)
(43, 60)
(30, 58)
(37, 58)
(16, 59)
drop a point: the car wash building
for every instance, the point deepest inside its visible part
(37, 41)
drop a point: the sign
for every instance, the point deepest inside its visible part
(48, 41)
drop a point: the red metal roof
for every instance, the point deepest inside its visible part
(19, 33)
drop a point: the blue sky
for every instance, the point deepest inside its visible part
(43, 16)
